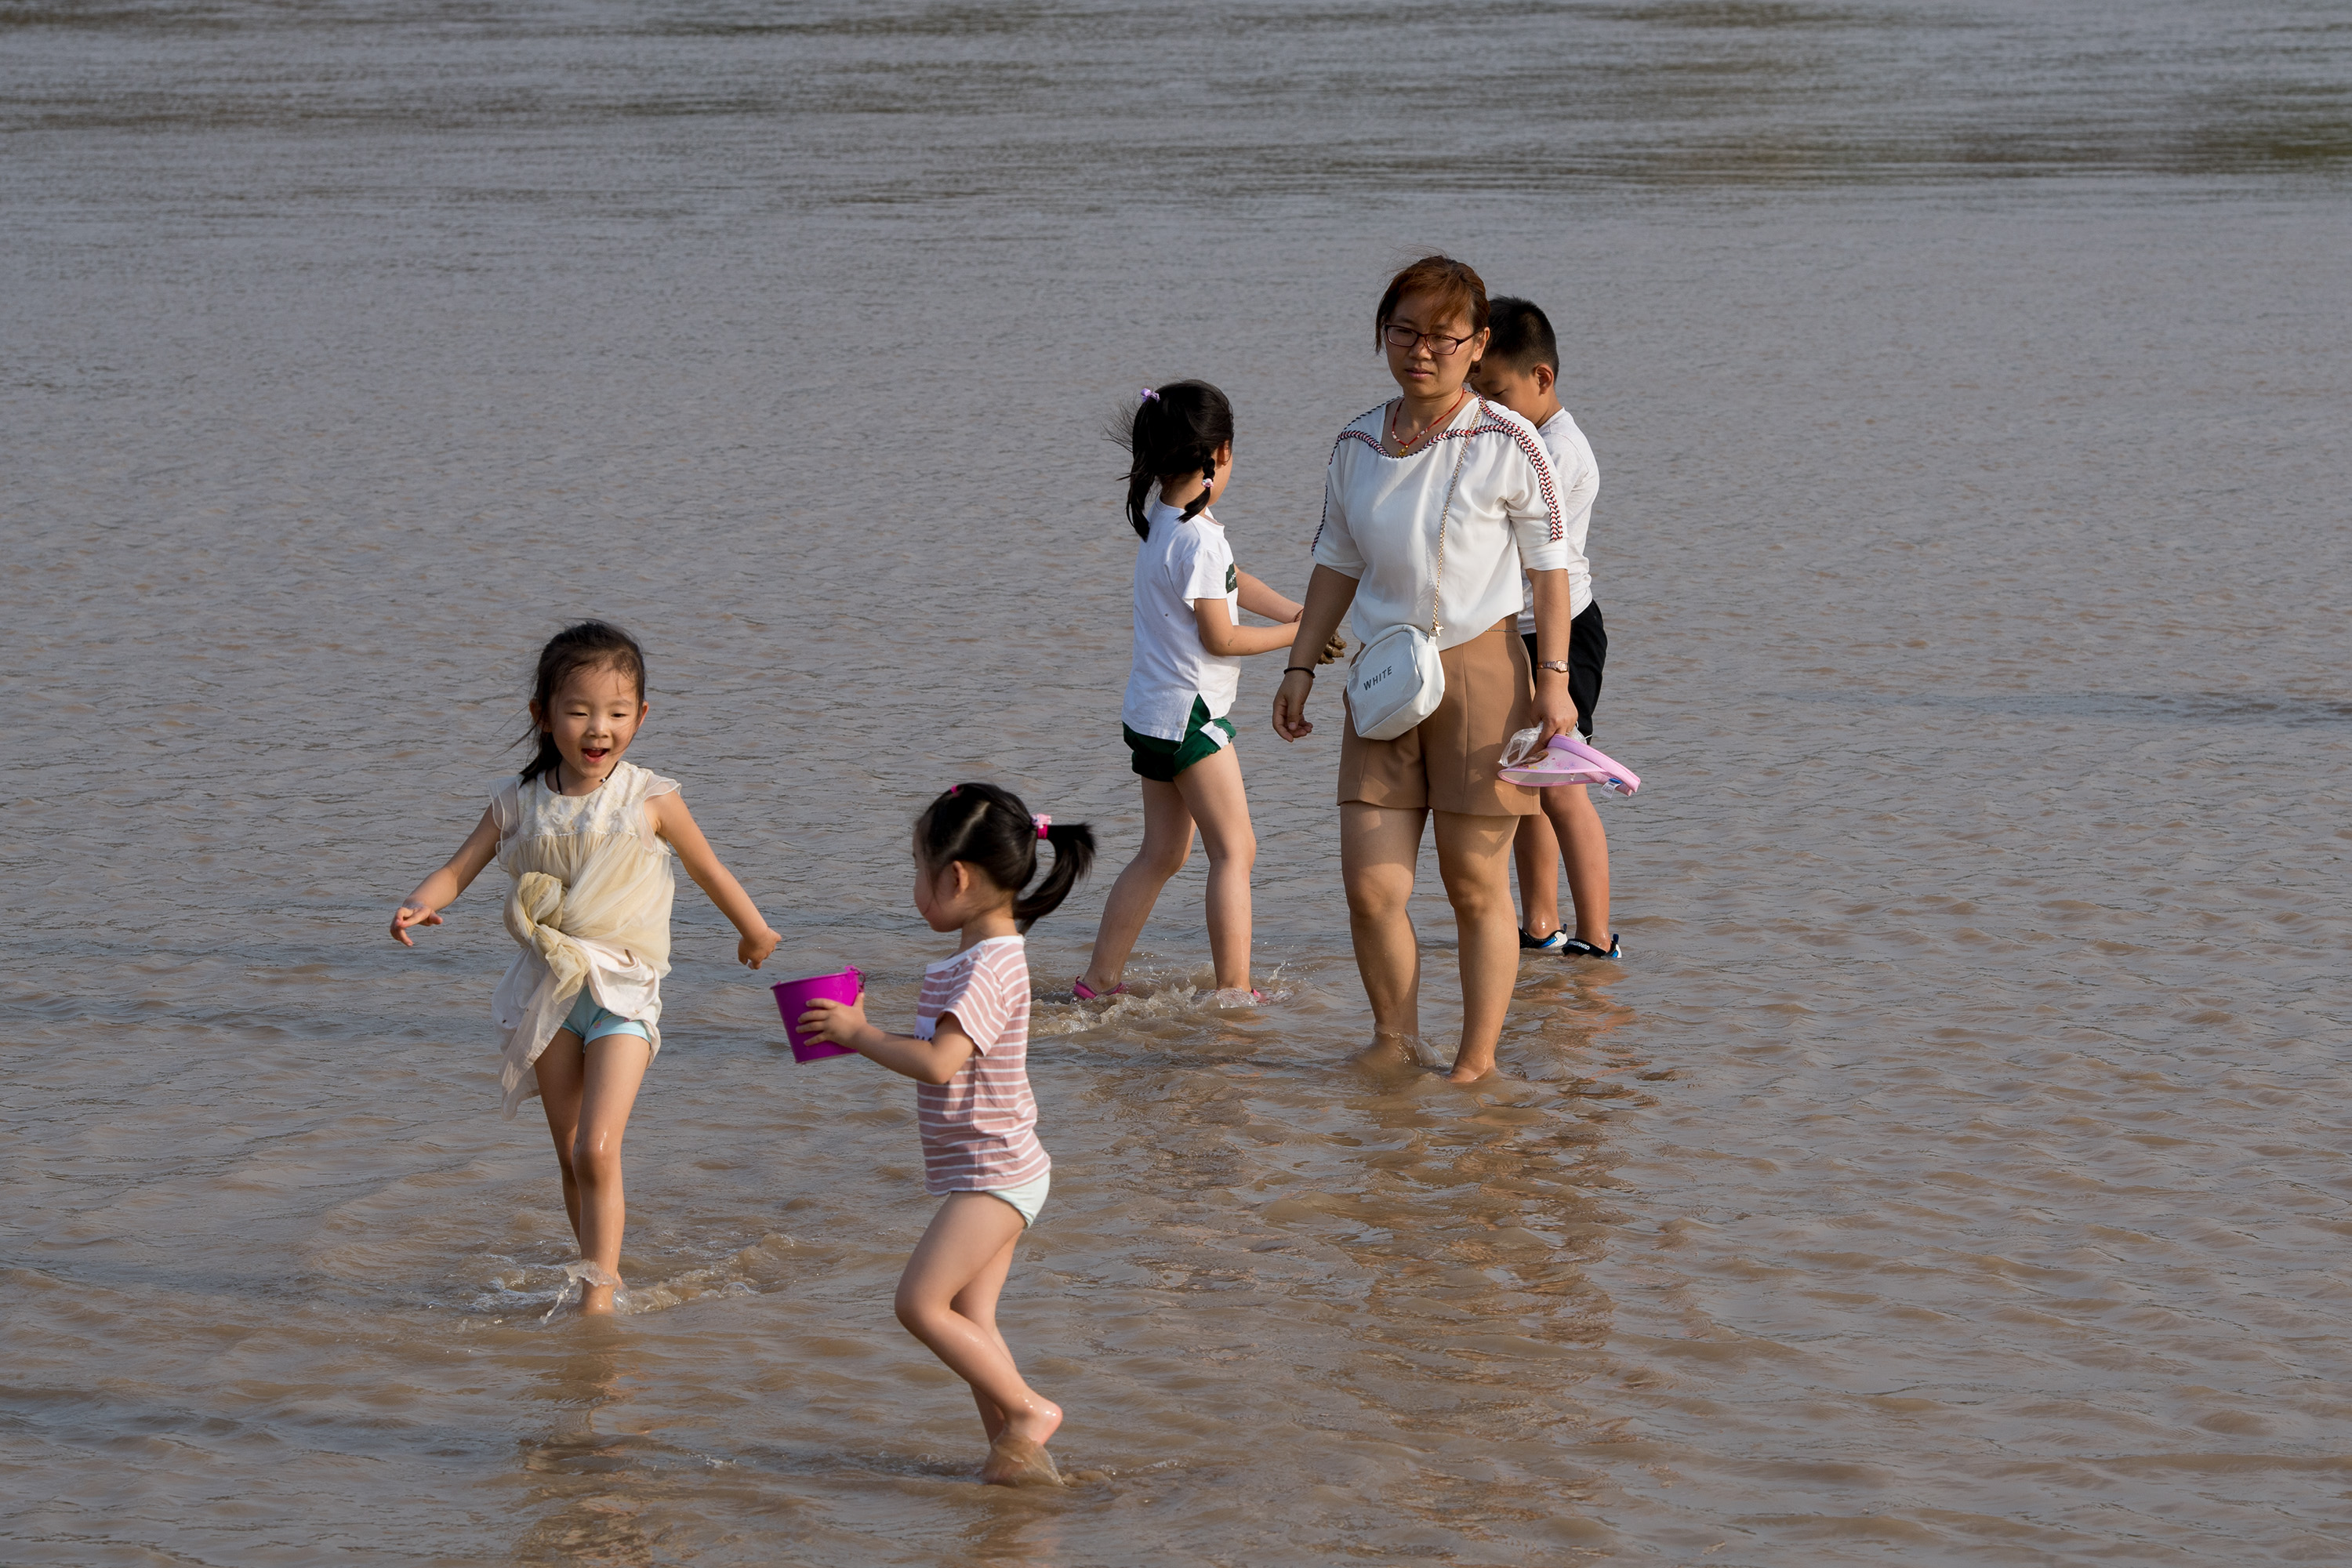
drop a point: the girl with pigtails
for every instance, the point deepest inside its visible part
(1189, 644)
(976, 847)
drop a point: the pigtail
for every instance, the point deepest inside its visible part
(989, 829)
(1200, 503)
(1172, 430)
(1073, 857)
(1138, 490)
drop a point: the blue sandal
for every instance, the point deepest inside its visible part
(1577, 947)
(1551, 943)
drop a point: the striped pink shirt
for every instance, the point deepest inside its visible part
(980, 1127)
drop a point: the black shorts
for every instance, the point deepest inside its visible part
(1587, 650)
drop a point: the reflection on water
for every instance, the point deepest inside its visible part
(1947, 1177)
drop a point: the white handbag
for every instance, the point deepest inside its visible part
(1396, 680)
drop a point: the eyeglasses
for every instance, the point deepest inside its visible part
(1402, 337)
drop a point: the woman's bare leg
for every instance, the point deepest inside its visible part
(957, 1270)
(1213, 797)
(1584, 844)
(1167, 841)
(1536, 850)
(599, 1100)
(1474, 856)
(1377, 848)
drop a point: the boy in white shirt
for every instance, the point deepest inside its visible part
(1521, 370)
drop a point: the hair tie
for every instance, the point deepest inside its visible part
(1042, 822)
(1149, 397)
(952, 788)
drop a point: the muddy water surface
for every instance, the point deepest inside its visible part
(1952, 1172)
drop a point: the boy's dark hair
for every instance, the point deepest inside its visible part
(1522, 335)
(1175, 430)
(1456, 285)
(584, 645)
(989, 828)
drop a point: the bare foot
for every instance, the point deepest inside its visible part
(596, 1287)
(1018, 1458)
(1017, 1462)
(1470, 1069)
(1388, 1059)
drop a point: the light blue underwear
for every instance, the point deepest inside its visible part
(590, 1022)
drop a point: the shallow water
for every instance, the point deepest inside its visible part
(1950, 1174)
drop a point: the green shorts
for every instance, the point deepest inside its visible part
(1163, 760)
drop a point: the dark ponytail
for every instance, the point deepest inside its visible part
(1173, 431)
(586, 645)
(989, 829)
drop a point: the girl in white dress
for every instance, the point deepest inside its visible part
(587, 838)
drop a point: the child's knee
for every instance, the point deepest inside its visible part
(914, 1312)
(595, 1164)
(1236, 853)
(1164, 860)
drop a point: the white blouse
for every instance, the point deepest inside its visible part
(1381, 515)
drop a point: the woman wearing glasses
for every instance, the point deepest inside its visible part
(1439, 456)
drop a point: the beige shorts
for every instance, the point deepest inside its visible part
(1449, 760)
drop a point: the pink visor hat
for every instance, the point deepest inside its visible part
(1569, 761)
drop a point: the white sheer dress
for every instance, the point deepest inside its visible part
(592, 885)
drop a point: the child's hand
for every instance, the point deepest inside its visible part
(411, 915)
(754, 948)
(829, 1020)
(1333, 649)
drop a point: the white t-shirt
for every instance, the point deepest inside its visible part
(1381, 515)
(1579, 481)
(1183, 560)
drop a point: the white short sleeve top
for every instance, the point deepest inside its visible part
(1579, 481)
(1183, 560)
(1381, 516)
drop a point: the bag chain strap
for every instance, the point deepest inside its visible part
(1444, 512)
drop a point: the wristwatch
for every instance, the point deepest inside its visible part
(1558, 664)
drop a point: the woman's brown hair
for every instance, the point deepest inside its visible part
(1456, 285)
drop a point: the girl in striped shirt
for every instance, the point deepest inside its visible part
(975, 848)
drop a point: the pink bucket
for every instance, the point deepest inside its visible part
(793, 998)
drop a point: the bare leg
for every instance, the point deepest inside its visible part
(1474, 857)
(1212, 793)
(957, 1272)
(977, 1303)
(1377, 848)
(1167, 841)
(609, 1071)
(1585, 847)
(1536, 850)
(561, 1073)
